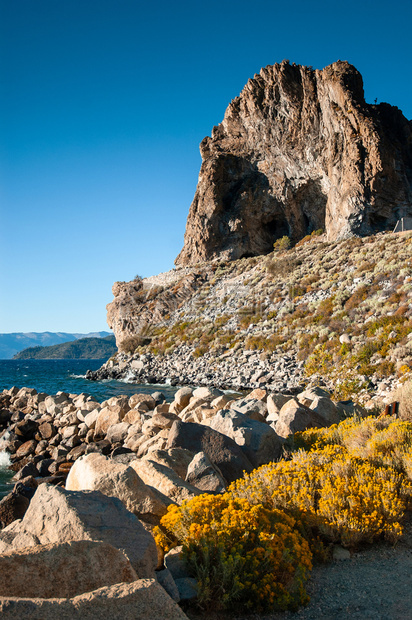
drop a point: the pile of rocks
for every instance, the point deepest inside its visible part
(127, 459)
(273, 372)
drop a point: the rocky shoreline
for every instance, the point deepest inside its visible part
(87, 471)
(238, 370)
(251, 370)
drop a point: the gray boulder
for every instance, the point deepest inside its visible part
(220, 449)
(258, 440)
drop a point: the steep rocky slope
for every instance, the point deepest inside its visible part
(338, 312)
(297, 151)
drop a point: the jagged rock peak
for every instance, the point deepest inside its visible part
(297, 151)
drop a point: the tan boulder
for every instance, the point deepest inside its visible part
(183, 396)
(63, 569)
(162, 408)
(95, 472)
(275, 403)
(144, 599)
(107, 417)
(133, 417)
(194, 403)
(258, 393)
(220, 402)
(175, 408)
(177, 459)
(157, 442)
(207, 393)
(164, 479)
(91, 417)
(326, 408)
(259, 442)
(142, 398)
(295, 417)
(57, 515)
(118, 432)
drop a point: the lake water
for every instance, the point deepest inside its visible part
(53, 376)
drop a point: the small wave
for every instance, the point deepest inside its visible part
(73, 376)
(129, 378)
(4, 459)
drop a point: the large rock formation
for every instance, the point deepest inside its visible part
(297, 151)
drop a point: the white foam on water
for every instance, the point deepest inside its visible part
(129, 378)
(4, 459)
(73, 376)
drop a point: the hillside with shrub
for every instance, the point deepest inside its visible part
(338, 313)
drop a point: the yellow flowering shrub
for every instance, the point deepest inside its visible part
(382, 441)
(243, 555)
(344, 497)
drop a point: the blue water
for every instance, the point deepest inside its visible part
(52, 376)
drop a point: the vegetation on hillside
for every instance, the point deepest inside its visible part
(344, 308)
(83, 348)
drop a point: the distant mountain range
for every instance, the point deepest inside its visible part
(10, 344)
(84, 348)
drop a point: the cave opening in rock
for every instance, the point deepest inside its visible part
(378, 223)
(311, 203)
(277, 228)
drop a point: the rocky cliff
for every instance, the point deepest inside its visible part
(297, 151)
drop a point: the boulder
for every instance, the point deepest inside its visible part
(183, 396)
(164, 480)
(26, 429)
(257, 439)
(194, 403)
(177, 459)
(47, 430)
(348, 408)
(90, 418)
(106, 418)
(220, 449)
(63, 570)
(295, 417)
(133, 417)
(275, 403)
(220, 402)
(26, 448)
(142, 398)
(12, 507)
(207, 393)
(58, 515)
(175, 563)
(310, 394)
(164, 577)
(95, 472)
(258, 394)
(326, 409)
(205, 476)
(143, 599)
(118, 432)
(253, 408)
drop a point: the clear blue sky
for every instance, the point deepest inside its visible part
(103, 105)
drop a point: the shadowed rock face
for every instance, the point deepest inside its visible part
(299, 150)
